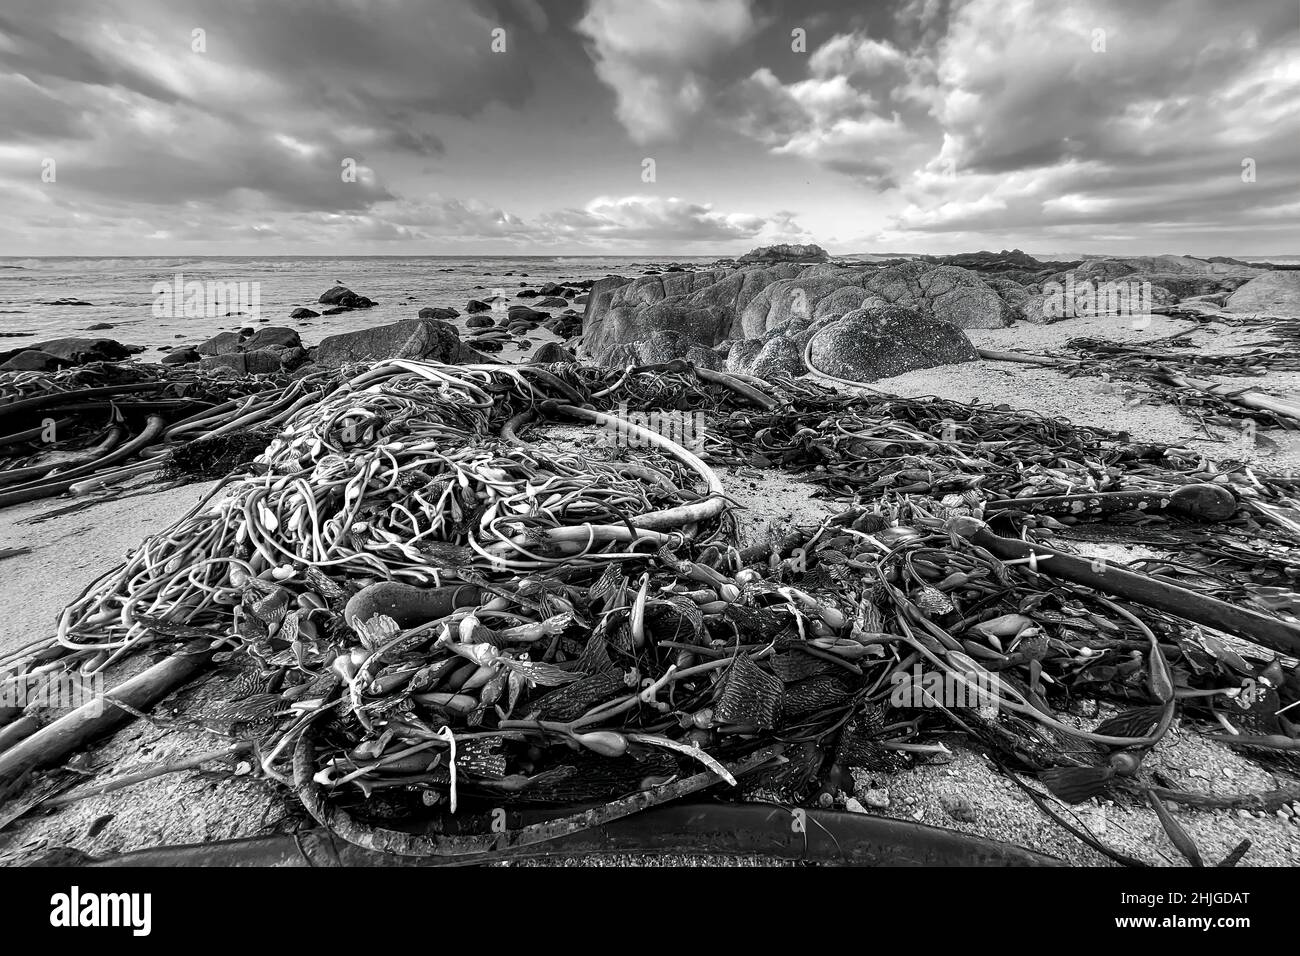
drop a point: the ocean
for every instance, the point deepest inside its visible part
(121, 291)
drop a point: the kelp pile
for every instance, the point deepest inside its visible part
(432, 615)
(83, 429)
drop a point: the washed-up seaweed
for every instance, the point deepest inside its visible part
(428, 606)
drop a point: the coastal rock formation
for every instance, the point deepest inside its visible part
(342, 297)
(33, 360)
(301, 313)
(1273, 293)
(947, 293)
(785, 252)
(255, 362)
(871, 344)
(72, 351)
(478, 322)
(552, 302)
(408, 339)
(551, 352)
(474, 306)
(662, 347)
(442, 314)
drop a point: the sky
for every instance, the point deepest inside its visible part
(658, 127)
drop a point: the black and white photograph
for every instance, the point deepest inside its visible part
(641, 434)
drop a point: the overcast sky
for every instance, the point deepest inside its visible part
(917, 125)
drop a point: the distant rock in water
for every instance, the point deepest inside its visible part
(871, 344)
(344, 298)
(442, 314)
(785, 252)
(66, 302)
(301, 313)
(474, 306)
(78, 351)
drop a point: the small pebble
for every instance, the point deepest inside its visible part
(959, 808)
(1245, 814)
(879, 799)
(853, 806)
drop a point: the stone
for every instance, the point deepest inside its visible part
(479, 322)
(78, 351)
(442, 314)
(181, 357)
(222, 343)
(475, 305)
(552, 302)
(658, 348)
(257, 362)
(582, 299)
(875, 343)
(344, 298)
(959, 808)
(876, 799)
(273, 336)
(551, 288)
(301, 313)
(782, 252)
(332, 296)
(526, 294)
(408, 339)
(99, 327)
(550, 352)
(1272, 293)
(518, 312)
(33, 360)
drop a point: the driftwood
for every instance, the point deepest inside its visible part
(55, 741)
(1249, 625)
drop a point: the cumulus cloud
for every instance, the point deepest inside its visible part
(656, 54)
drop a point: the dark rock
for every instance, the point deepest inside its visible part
(181, 357)
(274, 336)
(783, 252)
(526, 294)
(551, 352)
(344, 298)
(551, 288)
(66, 301)
(523, 312)
(257, 362)
(408, 339)
(223, 343)
(99, 327)
(442, 314)
(301, 313)
(79, 351)
(33, 360)
(479, 322)
(552, 302)
(488, 345)
(336, 310)
(476, 305)
(582, 299)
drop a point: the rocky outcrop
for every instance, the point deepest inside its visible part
(946, 293)
(871, 344)
(702, 305)
(662, 347)
(1272, 293)
(76, 351)
(474, 306)
(255, 362)
(408, 339)
(441, 314)
(551, 352)
(785, 252)
(341, 297)
(552, 302)
(301, 313)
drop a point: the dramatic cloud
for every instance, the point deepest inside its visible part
(656, 54)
